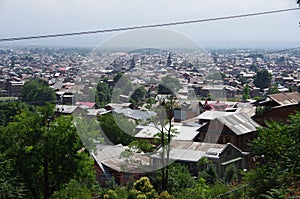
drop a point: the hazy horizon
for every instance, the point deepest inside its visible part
(35, 17)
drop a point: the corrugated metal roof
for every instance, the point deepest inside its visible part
(135, 114)
(186, 155)
(286, 98)
(110, 156)
(239, 123)
(68, 109)
(210, 115)
(194, 151)
(183, 132)
(126, 165)
(108, 151)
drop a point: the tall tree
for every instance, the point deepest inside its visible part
(10, 182)
(273, 89)
(10, 109)
(103, 94)
(37, 92)
(262, 79)
(138, 94)
(112, 130)
(163, 123)
(276, 151)
(46, 150)
(169, 85)
(123, 83)
(246, 93)
(143, 188)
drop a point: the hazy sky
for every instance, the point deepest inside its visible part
(35, 17)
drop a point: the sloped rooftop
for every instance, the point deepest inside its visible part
(286, 98)
(239, 123)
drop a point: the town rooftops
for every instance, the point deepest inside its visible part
(111, 157)
(286, 98)
(210, 115)
(194, 151)
(65, 109)
(96, 112)
(239, 123)
(86, 104)
(184, 132)
(135, 114)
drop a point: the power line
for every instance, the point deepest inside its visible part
(147, 26)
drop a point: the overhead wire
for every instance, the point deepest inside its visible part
(147, 26)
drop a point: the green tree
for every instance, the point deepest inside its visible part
(12, 64)
(111, 194)
(117, 77)
(280, 193)
(37, 92)
(46, 150)
(165, 195)
(138, 94)
(200, 190)
(163, 123)
(113, 132)
(123, 83)
(242, 79)
(209, 174)
(103, 94)
(262, 79)
(10, 182)
(273, 89)
(277, 152)
(142, 188)
(9, 109)
(142, 145)
(246, 93)
(180, 178)
(73, 189)
(230, 174)
(254, 68)
(169, 85)
(88, 129)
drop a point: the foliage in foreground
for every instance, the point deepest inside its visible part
(181, 185)
(41, 153)
(276, 149)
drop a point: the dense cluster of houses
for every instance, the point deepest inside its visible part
(221, 136)
(208, 125)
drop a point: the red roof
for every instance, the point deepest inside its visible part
(217, 106)
(87, 104)
(62, 69)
